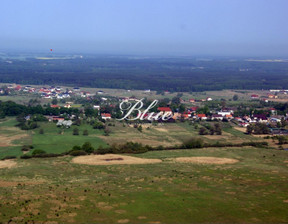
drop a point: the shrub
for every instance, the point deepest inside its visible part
(203, 131)
(87, 147)
(26, 157)
(41, 131)
(9, 157)
(38, 152)
(76, 147)
(77, 153)
(193, 143)
(85, 132)
(75, 131)
(26, 148)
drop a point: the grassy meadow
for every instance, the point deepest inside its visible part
(254, 190)
(55, 190)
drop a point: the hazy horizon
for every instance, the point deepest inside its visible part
(163, 27)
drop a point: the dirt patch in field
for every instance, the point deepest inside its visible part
(217, 137)
(7, 139)
(206, 160)
(7, 164)
(4, 183)
(161, 129)
(112, 159)
(242, 129)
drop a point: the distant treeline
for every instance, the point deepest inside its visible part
(10, 108)
(172, 74)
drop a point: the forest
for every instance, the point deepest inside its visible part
(174, 74)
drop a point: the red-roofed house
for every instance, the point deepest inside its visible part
(105, 116)
(164, 109)
(254, 96)
(186, 115)
(193, 109)
(273, 111)
(54, 106)
(202, 116)
(18, 88)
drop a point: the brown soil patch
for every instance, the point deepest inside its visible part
(6, 139)
(206, 160)
(112, 159)
(123, 220)
(217, 137)
(161, 129)
(7, 164)
(242, 129)
(4, 183)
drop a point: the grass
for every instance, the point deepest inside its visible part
(53, 189)
(53, 142)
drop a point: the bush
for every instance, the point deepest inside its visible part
(75, 131)
(38, 152)
(9, 157)
(26, 157)
(47, 155)
(76, 147)
(98, 125)
(87, 147)
(77, 153)
(102, 150)
(26, 148)
(203, 131)
(193, 143)
(85, 132)
(41, 131)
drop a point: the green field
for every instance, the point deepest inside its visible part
(53, 142)
(254, 190)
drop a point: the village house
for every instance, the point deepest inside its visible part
(273, 111)
(54, 106)
(272, 96)
(217, 117)
(177, 116)
(105, 116)
(260, 118)
(164, 109)
(254, 96)
(66, 124)
(223, 113)
(202, 116)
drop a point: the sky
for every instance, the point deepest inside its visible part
(161, 27)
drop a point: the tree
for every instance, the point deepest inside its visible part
(76, 147)
(203, 131)
(217, 129)
(249, 129)
(75, 131)
(282, 140)
(194, 143)
(107, 131)
(87, 147)
(41, 131)
(211, 131)
(54, 102)
(235, 97)
(38, 152)
(140, 128)
(85, 132)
